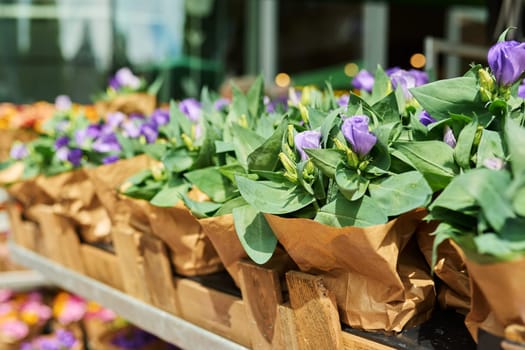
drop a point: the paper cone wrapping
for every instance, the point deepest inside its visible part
(498, 296)
(141, 103)
(450, 268)
(376, 275)
(74, 197)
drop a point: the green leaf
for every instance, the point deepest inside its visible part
(352, 185)
(155, 150)
(200, 209)
(490, 146)
(456, 95)
(401, 193)
(342, 212)
(266, 156)
(329, 123)
(273, 198)
(515, 140)
(222, 147)
(228, 207)
(178, 160)
(168, 196)
(434, 159)
(382, 86)
(316, 117)
(387, 109)
(255, 234)
(245, 142)
(154, 88)
(211, 181)
(463, 149)
(254, 97)
(326, 160)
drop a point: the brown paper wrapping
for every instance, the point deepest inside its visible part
(498, 296)
(221, 232)
(376, 275)
(450, 268)
(127, 103)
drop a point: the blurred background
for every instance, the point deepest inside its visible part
(52, 47)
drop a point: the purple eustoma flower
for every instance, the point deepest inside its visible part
(507, 61)
(343, 100)
(62, 141)
(191, 108)
(63, 103)
(124, 78)
(110, 159)
(363, 80)
(425, 118)
(307, 139)
(405, 80)
(149, 131)
(355, 131)
(221, 103)
(75, 156)
(114, 120)
(106, 143)
(18, 151)
(521, 89)
(160, 117)
(420, 76)
(449, 137)
(131, 129)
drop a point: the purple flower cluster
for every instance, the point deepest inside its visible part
(61, 339)
(18, 151)
(406, 79)
(133, 339)
(66, 153)
(425, 118)
(355, 131)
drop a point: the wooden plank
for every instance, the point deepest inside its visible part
(126, 243)
(286, 331)
(215, 311)
(158, 275)
(354, 342)
(261, 293)
(25, 233)
(102, 266)
(317, 320)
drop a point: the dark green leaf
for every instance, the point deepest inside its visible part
(266, 156)
(342, 212)
(352, 185)
(401, 193)
(515, 140)
(211, 181)
(245, 142)
(256, 236)
(273, 198)
(463, 149)
(326, 160)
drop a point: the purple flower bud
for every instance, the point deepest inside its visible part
(191, 108)
(449, 137)
(355, 130)
(149, 131)
(62, 141)
(307, 139)
(494, 163)
(363, 80)
(63, 103)
(115, 119)
(66, 338)
(343, 100)
(425, 118)
(221, 103)
(420, 76)
(124, 78)
(18, 151)
(507, 61)
(75, 156)
(521, 90)
(106, 143)
(110, 159)
(160, 117)
(131, 129)
(405, 80)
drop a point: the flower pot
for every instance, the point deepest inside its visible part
(376, 272)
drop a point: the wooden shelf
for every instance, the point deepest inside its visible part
(164, 325)
(22, 280)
